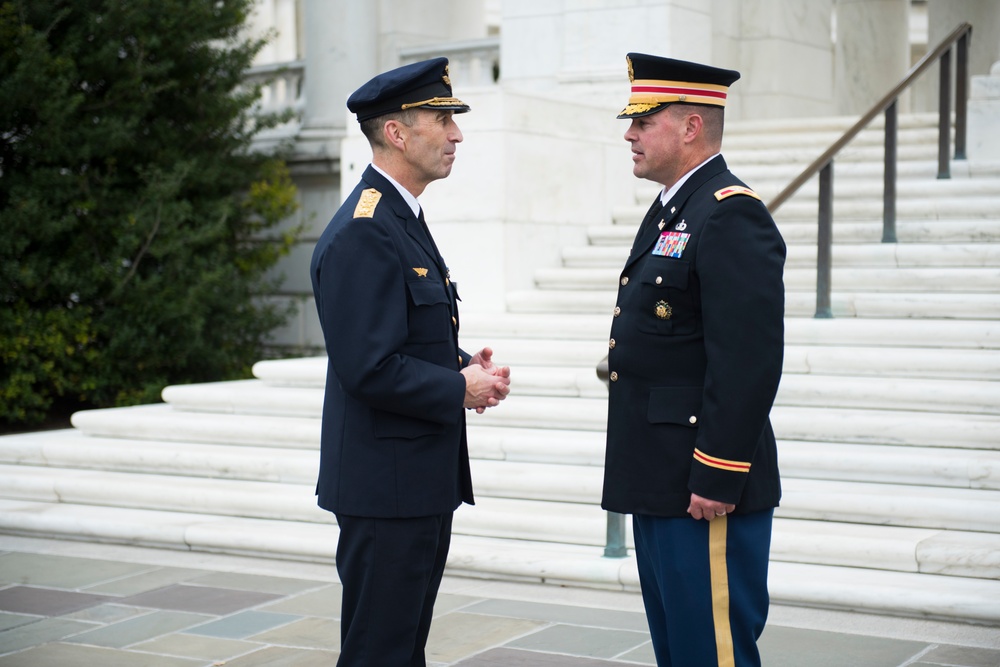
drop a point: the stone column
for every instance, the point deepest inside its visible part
(784, 52)
(943, 16)
(340, 55)
(984, 117)
(872, 52)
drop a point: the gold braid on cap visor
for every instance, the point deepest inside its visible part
(649, 93)
(435, 102)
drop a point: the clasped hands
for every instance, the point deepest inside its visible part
(486, 384)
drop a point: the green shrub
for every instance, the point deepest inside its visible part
(136, 223)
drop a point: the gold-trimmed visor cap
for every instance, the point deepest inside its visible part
(658, 82)
(421, 84)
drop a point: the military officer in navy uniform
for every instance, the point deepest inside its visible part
(394, 462)
(695, 359)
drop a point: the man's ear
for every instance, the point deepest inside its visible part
(395, 134)
(693, 126)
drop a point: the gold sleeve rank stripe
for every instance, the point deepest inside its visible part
(721, 464)
(735, 190)
(367, 203)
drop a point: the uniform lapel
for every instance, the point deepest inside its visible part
(651, 228)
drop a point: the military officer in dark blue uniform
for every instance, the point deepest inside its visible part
(394, 461)
(695, 359)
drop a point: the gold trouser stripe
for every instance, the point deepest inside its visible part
(720, 590)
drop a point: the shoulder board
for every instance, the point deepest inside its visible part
(367, 203)
(735, 190)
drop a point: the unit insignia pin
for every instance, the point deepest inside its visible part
(420, 272)
(673, 209)
(662, 224)
(681, 226)
(663, 310)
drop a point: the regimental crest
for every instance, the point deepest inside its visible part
(663, 310)
(367, 203)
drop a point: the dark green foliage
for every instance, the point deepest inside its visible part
(134, 218)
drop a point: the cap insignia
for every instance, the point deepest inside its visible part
(631, 74)
(446, 78)
(367, 203)
(735, 190)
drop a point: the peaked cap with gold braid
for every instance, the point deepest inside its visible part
(422, 84)
(658, 82)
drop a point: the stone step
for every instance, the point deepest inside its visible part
(864, 588)
(847, 360)
(916, 208)
(254, 397)
(874, 332)
(881, 255)
(812, 424)
(559, 451)
(879, 305)
(798, 537)
(802, 230)
(946, 279)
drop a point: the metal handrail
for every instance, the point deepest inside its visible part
(823, 165)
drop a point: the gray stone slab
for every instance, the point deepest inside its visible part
(963, 655)
(554, 613)
(319, 633)
(243, 624)
(214, 649)
(8, 621)
(257, 583)
(106, 613)
(64, 655)
(145, 581)
(200, 599)
(792, 647)
(459, 634)
(505, 657)
(40, 632)
(138, 629)
(324, 602)
(277, 656)
(585, 642)
(46, 601)
(62, 571)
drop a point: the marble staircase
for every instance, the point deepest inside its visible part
(888, 415)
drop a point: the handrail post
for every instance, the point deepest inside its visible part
(889, 186)
(614, 544)
(944, 116)
(824, 242)
(615, 547)
(961, 94)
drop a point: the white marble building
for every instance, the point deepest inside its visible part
(543, 155)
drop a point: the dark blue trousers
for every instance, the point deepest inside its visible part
(704, 586)
(390, 570)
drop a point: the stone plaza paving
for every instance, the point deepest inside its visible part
(78, 604)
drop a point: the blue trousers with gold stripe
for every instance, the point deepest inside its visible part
(704, 586)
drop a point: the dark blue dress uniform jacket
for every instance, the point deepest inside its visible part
(696, 352)
(393, 435)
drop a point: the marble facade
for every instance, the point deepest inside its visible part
(543, 155)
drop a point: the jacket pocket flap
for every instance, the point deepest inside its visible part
(675, 405)
(666, 272)
(426, 293)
